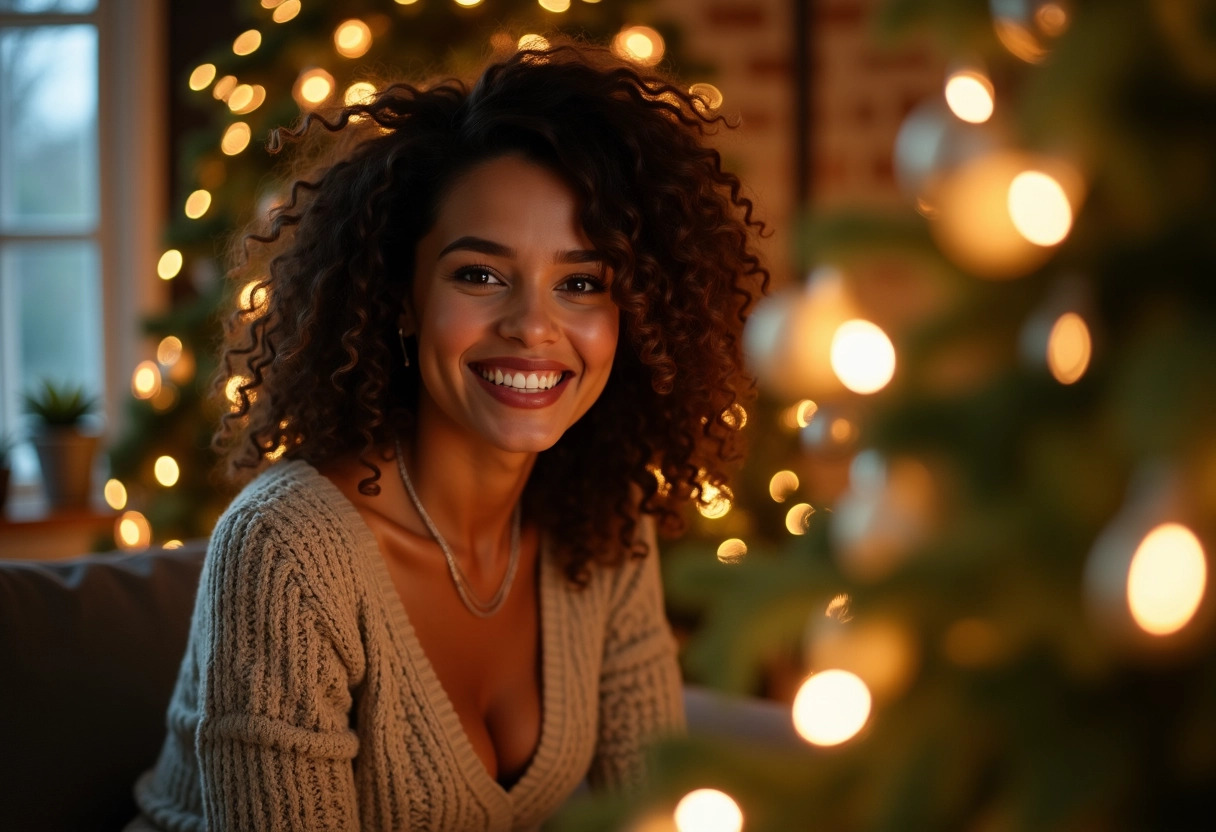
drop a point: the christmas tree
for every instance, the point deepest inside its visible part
(286, 58)
(970, 548)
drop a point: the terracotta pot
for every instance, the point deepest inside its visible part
(66, 457)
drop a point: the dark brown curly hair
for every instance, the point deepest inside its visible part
(311, 364)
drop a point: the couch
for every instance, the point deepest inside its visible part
(89, 650)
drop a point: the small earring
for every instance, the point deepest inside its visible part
(405, 356)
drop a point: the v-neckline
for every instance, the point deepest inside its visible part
(551, 668)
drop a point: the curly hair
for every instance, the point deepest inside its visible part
(310, 365)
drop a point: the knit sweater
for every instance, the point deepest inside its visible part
(305, 702)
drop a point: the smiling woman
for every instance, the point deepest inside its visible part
(525, 298)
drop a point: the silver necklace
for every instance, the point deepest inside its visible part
(472, 604)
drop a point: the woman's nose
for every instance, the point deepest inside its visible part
(529, 318)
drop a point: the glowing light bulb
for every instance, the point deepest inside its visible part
(708, 810)
(970, 96)
(169, 264)
(1069, 348)
(732, 550)
(132, 531)
(286, 11)
(1039, 208)
(863, 357)
(533, 42)
(202, 76)
(782, 485)
(360, 92)
(236, 138)
(639, 44)
(831, 707)
(197, 204)
(166, 471)
(313, 87)
(1167, 579)
(247, 42)
(352, 38)
(556, 6)
(145, 381)
(798, 518)
(116, 495)
(224, 87)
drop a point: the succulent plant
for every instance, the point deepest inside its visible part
(60, 405)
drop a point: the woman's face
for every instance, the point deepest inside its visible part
(516, 328)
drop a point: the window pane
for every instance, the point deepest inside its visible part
(52, 302)
(48, 129)
(61, 6)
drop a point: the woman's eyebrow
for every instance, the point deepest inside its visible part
(481, 245)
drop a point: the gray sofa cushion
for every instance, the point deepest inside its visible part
(89, 651)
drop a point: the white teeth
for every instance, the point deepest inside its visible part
(519, 381)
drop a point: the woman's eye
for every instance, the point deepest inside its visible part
(582, 285)
(477, 276)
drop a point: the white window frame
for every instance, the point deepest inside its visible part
(132, 146)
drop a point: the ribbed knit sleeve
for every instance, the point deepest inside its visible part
(274, 743)
(640, 696)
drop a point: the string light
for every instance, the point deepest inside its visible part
(286, 11)
(197, 204)
(236, 138)
(732, 550)
(708, 810)
(1039, 208)
(782, 485)
(202, 76)
(247, 42)
(831, 707)
(639, 44)
(360, 92)
(352, 38)
(1069, 348)
(240, 97)
(313, 87)
(556, 6)
(1167, 579)
(970, 96)
(270, 4)
(172, 544)
(862, 356)
(132, 531)
(116, 494)
(166, 471)
(406, 2)
(145, 381)
(798, 518)
(224, 87)
(169, 350)
(169, 264)
(468, 4)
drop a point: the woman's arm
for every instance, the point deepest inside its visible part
(641, 693)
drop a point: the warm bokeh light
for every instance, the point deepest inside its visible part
(232, 390)
(132, 531)
(831, 707)
(145, 381)
(639, 44)
(735, 417)
(240, 97)
(406, 2)
(706, 97)
(166, 471)
(798, 518)
(257, 96)
(862, 356)
(360, 92)
(468, 4)
(557, 6)
(714, 501)
(1069, 348)
(172, 544)
(286, 11)
(352, 38)
(270, 4)
(247, 42)
(169, 350)
(169, 264)
(202, 76)
(198, 203)
(838, 608)
(970, 96)
(732, 550)
(1167, 579)
(1052, 19)
(1039, 208)
(782, 485)
(708, 810)
(534, 42)
(224, 87)
(799, 415)
(313, 87)
(116, 494)
(166, 397)
(253, 298)
(663, 487)
(236, 138)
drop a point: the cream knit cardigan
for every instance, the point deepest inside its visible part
(305, 702)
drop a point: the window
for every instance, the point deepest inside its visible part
(81, 126)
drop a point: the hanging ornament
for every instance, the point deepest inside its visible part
(1027, 28)
(889, 508)
(1146, 576)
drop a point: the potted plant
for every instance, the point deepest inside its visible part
(65, 449)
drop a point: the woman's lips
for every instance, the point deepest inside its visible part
(538, 384)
